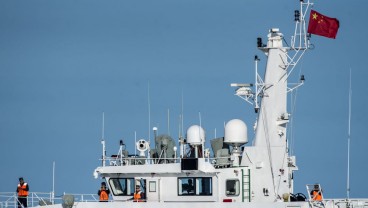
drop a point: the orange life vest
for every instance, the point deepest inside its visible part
(22, 190)
(104, 196)
(137, 197)
(317, 196)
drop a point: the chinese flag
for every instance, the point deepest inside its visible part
(322, 25)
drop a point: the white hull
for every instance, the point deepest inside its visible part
(337, 203)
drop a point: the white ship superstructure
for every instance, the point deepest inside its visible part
(183, 172)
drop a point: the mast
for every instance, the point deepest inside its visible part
(269, 156)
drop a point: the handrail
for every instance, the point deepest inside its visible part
(127, 161)
(340, 203)
(10, 199)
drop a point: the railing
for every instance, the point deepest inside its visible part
(10, 199)
(84, 197)
(340, 203)
(116, 160)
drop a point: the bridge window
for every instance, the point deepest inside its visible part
(122, 186)
(195, 186)
(232, 187)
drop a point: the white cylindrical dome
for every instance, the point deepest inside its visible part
(195, 135)
(236, 132)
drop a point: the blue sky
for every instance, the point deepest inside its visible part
(63, 63)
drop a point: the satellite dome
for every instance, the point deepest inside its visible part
(195, 135)
(236, 132)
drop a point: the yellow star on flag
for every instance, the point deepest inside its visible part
(315, 16)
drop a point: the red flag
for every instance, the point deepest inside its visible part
(322, 25)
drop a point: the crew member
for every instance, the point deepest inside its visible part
(138, 194)
(190, 186)
(22, 191)
(103, 193)
(316, 193)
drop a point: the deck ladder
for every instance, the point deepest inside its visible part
(246, 196)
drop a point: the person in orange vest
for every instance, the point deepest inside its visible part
(316, 193)
(138, 194)
(103, 193)
(22, 190)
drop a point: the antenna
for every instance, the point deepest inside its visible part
(168, 121)
(135, 142)
(149, 114)
(53, 181)
(179, 126)
(182, 113)
(202, 139)
(103, 140)
(103, 125)
(348, 171)
(181, 139)
(256, 60)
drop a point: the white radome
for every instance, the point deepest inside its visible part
(195, 135)
(236, 132)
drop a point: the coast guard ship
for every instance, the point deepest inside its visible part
(183, 172)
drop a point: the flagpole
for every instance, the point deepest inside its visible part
(348, 171)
